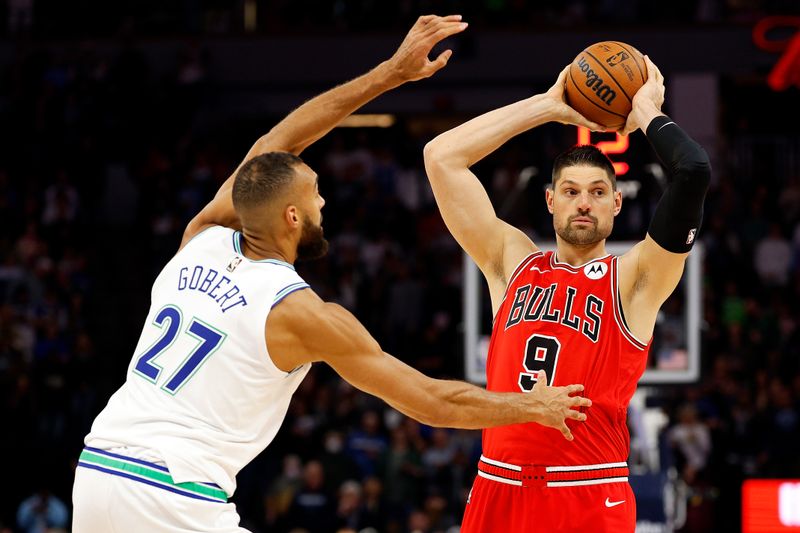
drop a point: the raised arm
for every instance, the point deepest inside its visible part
(318, 116)
(303, 328)
(652, 269)
(494, 245)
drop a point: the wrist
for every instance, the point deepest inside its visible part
(387, 77)
(644, 114)
(544, 109)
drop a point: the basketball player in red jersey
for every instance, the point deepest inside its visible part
(580, 314)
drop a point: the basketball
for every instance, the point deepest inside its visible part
(602, 81)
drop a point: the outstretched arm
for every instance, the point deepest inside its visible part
(318, 116)
(652, 269)
(494, 245)
(303, 328)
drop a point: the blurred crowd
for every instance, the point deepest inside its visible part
(101, 169)
(94, 18)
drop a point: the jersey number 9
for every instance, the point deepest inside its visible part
(541, 353)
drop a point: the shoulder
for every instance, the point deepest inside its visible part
(517, 248)
(316, 329)
(195, 232)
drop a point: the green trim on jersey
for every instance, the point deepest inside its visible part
(143, 471)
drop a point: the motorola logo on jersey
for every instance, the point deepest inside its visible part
(595, 270)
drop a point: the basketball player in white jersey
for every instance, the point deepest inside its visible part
(232, 330)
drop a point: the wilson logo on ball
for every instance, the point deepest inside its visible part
(596, 84)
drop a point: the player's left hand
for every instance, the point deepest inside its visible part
(561, 111)
(647, 101)
(410, 62)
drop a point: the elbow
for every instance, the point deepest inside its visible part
(696, 164)
(437, 417)
(441, 157)
(432, 153)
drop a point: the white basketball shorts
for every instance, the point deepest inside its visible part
(114, 493)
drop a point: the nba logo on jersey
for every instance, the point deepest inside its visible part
(234, 263)
(690, 237)
(595, 270)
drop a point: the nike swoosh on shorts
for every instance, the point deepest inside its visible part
(613, 504)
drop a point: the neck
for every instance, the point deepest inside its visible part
(257, 247)
(578, 254)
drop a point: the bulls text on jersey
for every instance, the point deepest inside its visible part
(532, 304)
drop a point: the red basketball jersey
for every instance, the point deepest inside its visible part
(568, 321)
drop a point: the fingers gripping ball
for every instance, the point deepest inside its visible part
(602, 81)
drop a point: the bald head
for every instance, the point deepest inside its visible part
(263, 179)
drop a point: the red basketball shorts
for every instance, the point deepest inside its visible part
(509, 499)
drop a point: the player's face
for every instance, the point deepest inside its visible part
(583, 204)
(312, 244)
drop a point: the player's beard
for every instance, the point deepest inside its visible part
(584, 235)
(313, 244)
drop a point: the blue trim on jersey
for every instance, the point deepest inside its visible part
(237, 247)
(126, 458)
(146, 482)
(286, 291)
(141, 462)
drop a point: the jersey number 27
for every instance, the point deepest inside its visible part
(209, 341)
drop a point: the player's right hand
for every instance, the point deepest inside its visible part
(560, 111)
(557, 404)
(410, 62)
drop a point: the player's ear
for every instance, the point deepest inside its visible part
(548, 198)
(292, 216)
(617, 202)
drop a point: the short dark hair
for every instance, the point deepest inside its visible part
(263, 178)
(586, 155)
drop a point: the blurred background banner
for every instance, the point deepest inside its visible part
(120, 120)
(770, 505)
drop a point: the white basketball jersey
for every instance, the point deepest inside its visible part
(202, 393)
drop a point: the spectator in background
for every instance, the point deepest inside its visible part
(338, 466)
(438, 459)
(773, 257)
(42, 513)
(20, 16)
(312, 509)
(61, 201)
(781, 432)
(281, 493)
(691, 439)
(366, 444)
(403, 471)
(373, 508)
(349, 509)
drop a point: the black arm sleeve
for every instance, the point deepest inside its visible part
(680, 211)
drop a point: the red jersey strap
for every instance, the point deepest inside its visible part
(619, 316)
(521, 268)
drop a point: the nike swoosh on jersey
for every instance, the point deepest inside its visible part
(613, 504)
